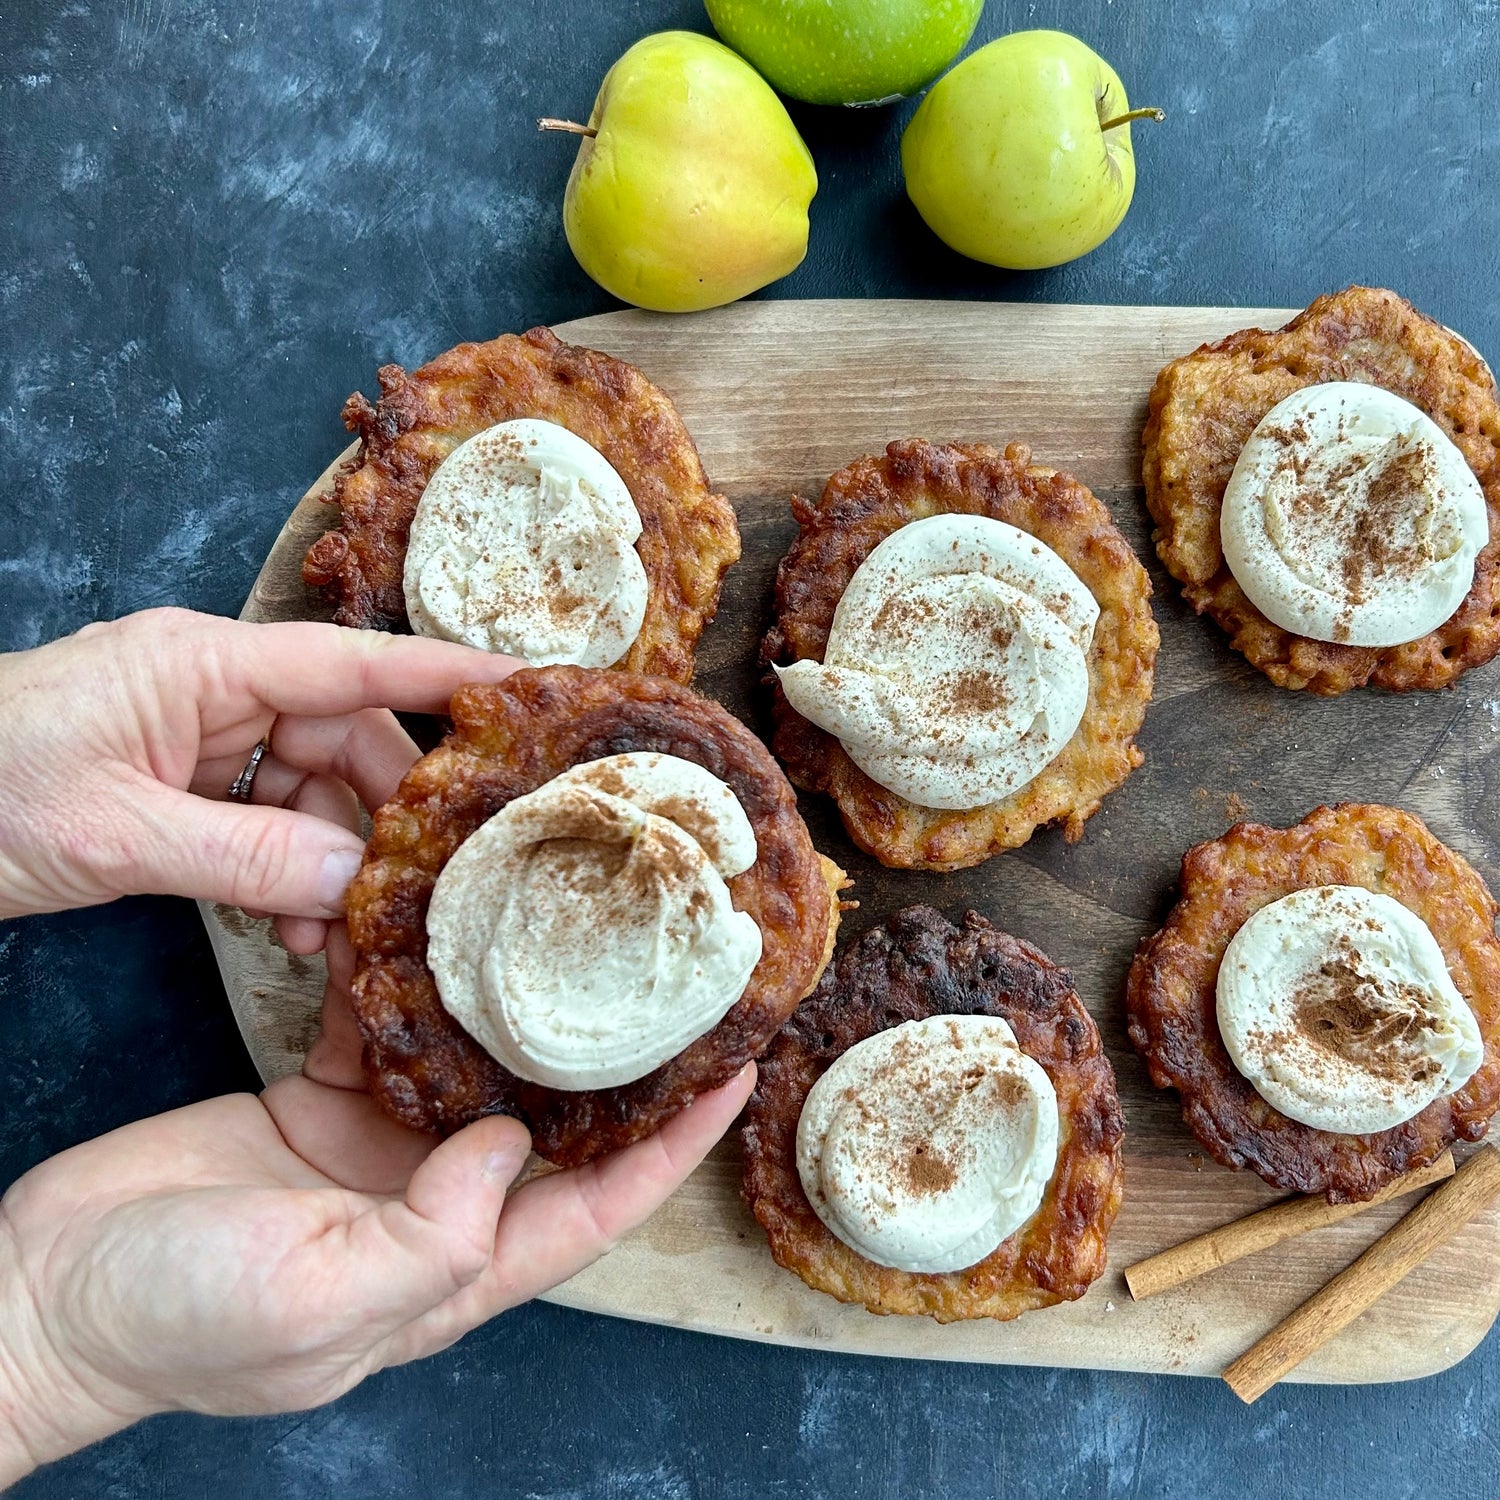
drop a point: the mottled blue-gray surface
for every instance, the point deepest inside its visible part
(215, 221)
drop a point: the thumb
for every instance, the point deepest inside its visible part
(559, 1222)
(442, 1238)
(268, 859)
(462, 1184)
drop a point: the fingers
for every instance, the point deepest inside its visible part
(332, 800)
(303, 936)
(368, 750)
(561, 1223)
(320, 670)
(312, 789)
(557, 1224)
(335, 1057)
(329, 691)
(340, 956)
(261, 858)
(326, 767)
(345, 1135)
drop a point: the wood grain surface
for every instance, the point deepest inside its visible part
(778, 395)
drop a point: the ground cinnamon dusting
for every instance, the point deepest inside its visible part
(551, 590)
(560, 599)
(1375, 538)
(690, 815)
(924, 1173)
(1365, 1021)
(1010, 1091)
(1372, 553)
(977, 693)
(665, 862)
(904, 615)
(608, 780)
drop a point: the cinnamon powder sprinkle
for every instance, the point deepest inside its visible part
(690, 814)
(1365, 1021)
(1376, 540)
(924, 1173)
(903, 615)
(1372, 554)
(1010, 1091)
(977, 693)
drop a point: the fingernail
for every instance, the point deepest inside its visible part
(501, 1166)
(338, 870)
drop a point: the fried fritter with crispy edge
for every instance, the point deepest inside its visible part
(862, 505)
(1204, 407)
(918, 965)
(1171, 994)
(508, 739)
(689, 536)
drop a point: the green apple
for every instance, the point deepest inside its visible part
(847, 51)
(1021, 156)
(691, 184)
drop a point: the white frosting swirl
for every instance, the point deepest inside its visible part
(1337, 1005)
(524, 543)
(584, 935)
(925, 1146)
(1352, 517)
(957, 664)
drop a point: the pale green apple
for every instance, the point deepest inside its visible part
(1009, 160)
(692, 187)
(847, 51)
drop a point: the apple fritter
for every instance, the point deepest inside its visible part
(862, 505)
(1204, 407)
(914, 966)
(688, 537)
(507, 740)
(1171, 995)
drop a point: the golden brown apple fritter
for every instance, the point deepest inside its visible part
(862, 505)
(1171, 995)
(507, 740)
(1204, 407)
(914, 966)
(688, 534)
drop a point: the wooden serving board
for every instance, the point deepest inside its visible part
(780, 394)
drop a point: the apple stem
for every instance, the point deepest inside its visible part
(571, 126)
(1135, 114)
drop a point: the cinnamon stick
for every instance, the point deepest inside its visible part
(1262, 1229)
(1399, 1250)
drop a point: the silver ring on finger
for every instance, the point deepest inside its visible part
(241, 786)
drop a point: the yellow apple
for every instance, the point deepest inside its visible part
(691, 185)
(1021, 156)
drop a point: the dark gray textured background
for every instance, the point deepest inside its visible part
(217, 220)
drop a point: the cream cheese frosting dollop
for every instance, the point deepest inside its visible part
(925, 1146)
(584, 935)
(1352, 517)
(957, 663)
(524, 543)
(1337, 1005)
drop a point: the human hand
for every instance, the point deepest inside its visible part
(257, 1255)
(114, 741)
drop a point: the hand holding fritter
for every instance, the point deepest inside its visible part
(118, 746)
(266, 1254)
